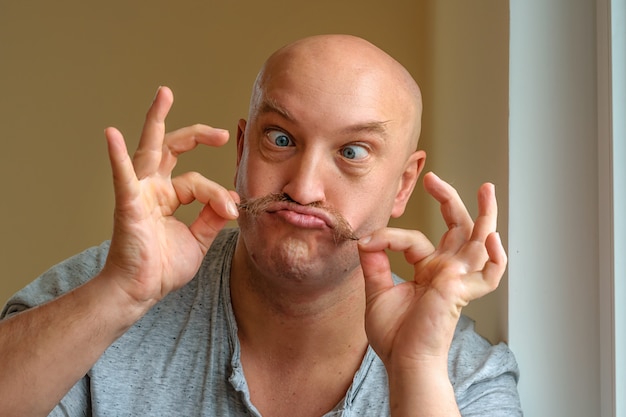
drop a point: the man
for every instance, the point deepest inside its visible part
(296, 313)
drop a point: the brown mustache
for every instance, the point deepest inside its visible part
(256, 206)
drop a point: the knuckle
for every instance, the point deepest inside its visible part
(197, 128)
(194, 175)
(190, 175)
(454, 268)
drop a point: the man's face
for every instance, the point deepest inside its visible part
(332, 142)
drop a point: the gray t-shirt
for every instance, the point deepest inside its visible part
(183, 357)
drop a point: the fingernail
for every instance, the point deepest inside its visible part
(157, 93)
(365, 240)
(232, 209)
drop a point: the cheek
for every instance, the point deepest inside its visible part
(241, 172)
(253, 178)
(368, 211)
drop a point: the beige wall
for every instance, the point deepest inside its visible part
(70, 69)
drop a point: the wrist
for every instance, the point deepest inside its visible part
(113, 304)
(421, 384)
(418, 367)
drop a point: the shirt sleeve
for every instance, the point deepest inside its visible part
(484, 376)
(58, 280)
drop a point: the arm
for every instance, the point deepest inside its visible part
(47, 349)
(411, 325)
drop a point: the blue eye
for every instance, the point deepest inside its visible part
(354, 152)
(279, 138)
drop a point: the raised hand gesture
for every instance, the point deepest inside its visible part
(153, 253)
(411, 325)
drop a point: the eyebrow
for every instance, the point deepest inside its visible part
(375, 127)
(269, 105)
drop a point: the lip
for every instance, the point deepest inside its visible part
(319, 215)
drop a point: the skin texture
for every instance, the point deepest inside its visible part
(333, 124)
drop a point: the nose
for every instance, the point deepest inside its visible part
(305, 178)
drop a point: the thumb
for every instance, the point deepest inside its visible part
(376, 268)
(375, 262)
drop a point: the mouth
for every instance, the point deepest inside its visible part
(313, 216)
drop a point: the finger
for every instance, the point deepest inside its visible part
(487, 219)
(487, 280)
(452, 208)
(208, 224)
(374, 260)
(186, 139)
(454, 212)
(193, 186)
(474, 251)
(124, 179)
(147, 158)
(376, 272)
(413, 243)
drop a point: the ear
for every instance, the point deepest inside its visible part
(411, 173)
(241, 132)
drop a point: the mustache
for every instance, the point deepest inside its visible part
(256, 206)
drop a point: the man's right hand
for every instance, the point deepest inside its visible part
(152, 253)
(48, 348)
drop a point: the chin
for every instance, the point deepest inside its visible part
(300, 256)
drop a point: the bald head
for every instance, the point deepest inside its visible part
(347, 67)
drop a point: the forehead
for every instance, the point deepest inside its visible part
(328, 91)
